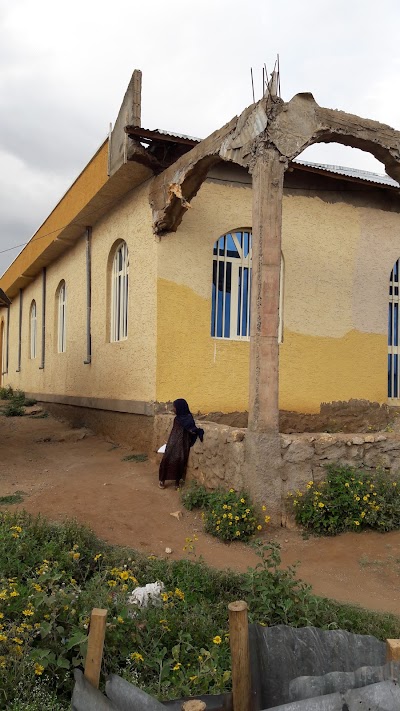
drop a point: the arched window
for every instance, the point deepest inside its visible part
(393, 334)
(62, 317)
(120, 293)
(231, 288)
(33, 330)
(230, 313)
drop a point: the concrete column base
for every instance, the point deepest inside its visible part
(263, 472)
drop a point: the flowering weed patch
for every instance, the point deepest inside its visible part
(349, 500)
(229, 515)
(53, 575)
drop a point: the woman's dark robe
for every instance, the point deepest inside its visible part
(174, 462)
(183, 436)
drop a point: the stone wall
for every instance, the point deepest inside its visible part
(216, 462)
(220, 459)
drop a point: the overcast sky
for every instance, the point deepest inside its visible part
(65, 65)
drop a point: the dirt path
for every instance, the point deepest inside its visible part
(65, 475)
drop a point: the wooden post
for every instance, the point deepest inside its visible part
(239, 642)
(393, 650)
(94, 655)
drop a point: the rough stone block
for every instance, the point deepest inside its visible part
(298, 451)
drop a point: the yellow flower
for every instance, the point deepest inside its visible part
(242, 501)
(112, 583)
(73, 581)
(357, 498)
(27, 612)
(14, 593)
(237, 533)
(347, 483)
(124, 575)
(39, 669)
(97, 557)
(179, 594)
(259, 528)
(136, 657)
(365, 498)
(18, 529)
(394, 483)
(321, 505)
(223, 515)
(357, 523)
(264, 508)
(3, 638)
(224, 506)
(295, 502)
(362, 514)
(1, 615)
(267, 519)
(18, 640)
(15, 535)
(120, 620)
(192, 678)
(217, 639)
(76, 556)
(231, 491)
(2, 662)
(237, 518)
(177, 666)
(37, 587)
(164, 596)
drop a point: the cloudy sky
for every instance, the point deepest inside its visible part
(65, 65)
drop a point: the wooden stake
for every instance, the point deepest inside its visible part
(94, 655)
(239, 642)
(393, 650)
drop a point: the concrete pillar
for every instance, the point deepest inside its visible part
(268, 174)
(263, 452)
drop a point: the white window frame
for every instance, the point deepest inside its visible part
(238, 264)
(33, 330)
(120, 294)
(241, 262)
(62, 318)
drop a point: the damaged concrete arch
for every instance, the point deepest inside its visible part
(289, 128)
(265, 138)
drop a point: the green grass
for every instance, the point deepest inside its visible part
(53, 575)
(15, 498)
(135, 458)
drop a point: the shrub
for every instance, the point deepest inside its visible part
(6, 393)
(229, 515)
(349, 500)
(13, 409)
(16, 404)
(195, 496)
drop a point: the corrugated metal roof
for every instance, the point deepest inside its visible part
(377, 178)
(172, 134)
(351, 173)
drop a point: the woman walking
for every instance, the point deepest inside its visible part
(183, 435)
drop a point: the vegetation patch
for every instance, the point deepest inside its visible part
(349, 500)
(134, 457)
(6, 393)
(16, 402)
(228, 515)
(15, 498)
(53, 575)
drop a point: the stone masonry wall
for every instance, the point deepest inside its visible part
(220, 460)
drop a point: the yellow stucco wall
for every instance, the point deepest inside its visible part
(338, 258)
(123, 370)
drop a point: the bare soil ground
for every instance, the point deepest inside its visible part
(69, 473)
